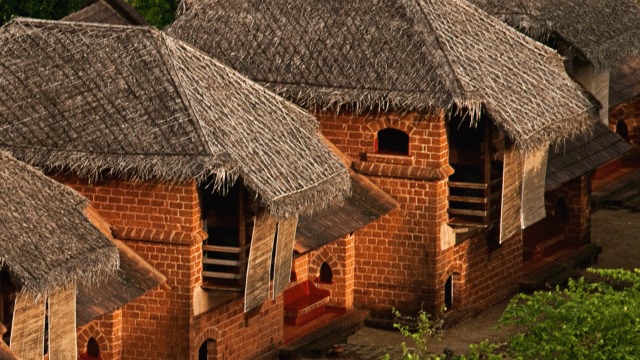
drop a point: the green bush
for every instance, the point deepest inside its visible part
(583, 321)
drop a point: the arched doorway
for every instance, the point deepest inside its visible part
(207, 350)
(326, 274)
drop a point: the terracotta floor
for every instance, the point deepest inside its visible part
(292, 332)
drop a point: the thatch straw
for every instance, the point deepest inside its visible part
(416, 55)
(46, 239)
(605, 31)
(136, 103)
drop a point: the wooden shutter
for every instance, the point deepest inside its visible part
(511, 183)
(533, 183)
(62, 324)
(284, 254)
(259, 267)
(27, 331)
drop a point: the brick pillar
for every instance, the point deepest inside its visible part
(578, 229)
(107, 331)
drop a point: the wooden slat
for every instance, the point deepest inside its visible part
(27, 331)
(259, 267)
(284, 254)
(221, 262)
(220, 275)
(477, 186)
(468, 223)
(208, 286)
(225, 249)
(468, 212)
(533, 186)
(511, 191)
(468, 199)
(62, 324)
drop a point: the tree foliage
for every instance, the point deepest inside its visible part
(158, 13)
(39, 9)
(583, 321)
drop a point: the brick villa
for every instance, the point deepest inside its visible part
(198, 170)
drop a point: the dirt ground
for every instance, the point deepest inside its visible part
(616, 230)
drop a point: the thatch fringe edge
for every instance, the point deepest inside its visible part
(358, 100)
(331, 191)
(80, 269)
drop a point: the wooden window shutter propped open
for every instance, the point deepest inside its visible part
(284, 254)
(27, 331)
(259, 267)
(533, 184)
(62, 324)
(511, 191)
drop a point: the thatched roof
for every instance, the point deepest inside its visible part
(134, 102)
(624, 81)
(116, 12)
(395, 54)
(605, 31)
(46, 240)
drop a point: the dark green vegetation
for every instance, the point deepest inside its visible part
(581, 322)
(39, 9)
(158, 13)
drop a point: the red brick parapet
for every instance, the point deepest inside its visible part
(403, 171)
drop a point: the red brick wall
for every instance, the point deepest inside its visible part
(340, 256)
(484, 275)
(254, 335)
(398, 259)
(148, 211)
(395, 256)
(107, 330)
(576, 194)
(629, 113)
(162, 223)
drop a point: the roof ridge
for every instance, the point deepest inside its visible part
(419, 4)
(165, 50)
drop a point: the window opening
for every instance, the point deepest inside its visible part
(326, 274)
(93, 350)
(476, 150)
(228, 221)
(272, 271)
(561, 211)
(392, 141)
(448, 292)
(207, 350)
(622, 130)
